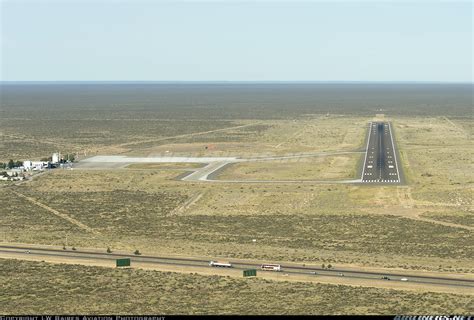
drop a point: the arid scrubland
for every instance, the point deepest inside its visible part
(419, 225)
(424, 224)
(86, 289)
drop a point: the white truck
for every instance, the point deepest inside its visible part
(220, 264)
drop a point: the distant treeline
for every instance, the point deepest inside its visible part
(233, 100)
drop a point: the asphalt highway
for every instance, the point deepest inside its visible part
(24, 251)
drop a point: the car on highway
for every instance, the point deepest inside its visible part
(341, 274)
(27, 251)
(403, 279)
(313, 272)
(385, 278)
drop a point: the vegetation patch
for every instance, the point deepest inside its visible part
(461, 218)
(38, 288)
(120, 211)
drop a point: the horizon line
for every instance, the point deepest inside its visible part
(238, 81)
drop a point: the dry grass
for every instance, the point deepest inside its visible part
(438, 157)
(317, 168)
(22, 221)
(311, 223)
(90, 135)
(458, 217)
(268, 137)
(39, 288)
(343, 224)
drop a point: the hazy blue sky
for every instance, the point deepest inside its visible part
(236, 40)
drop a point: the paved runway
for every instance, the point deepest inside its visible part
(381, 163)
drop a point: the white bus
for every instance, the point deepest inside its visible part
(271, 267)
(220, 264)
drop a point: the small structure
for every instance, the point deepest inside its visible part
(39, 165)
(122, 263)
(56, 157)
(14, 172)
(250, 273)
(11, 175)
(34, 165)
(27, 164)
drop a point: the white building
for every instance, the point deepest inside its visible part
(34, 165)
(28, 165)
(55, 158)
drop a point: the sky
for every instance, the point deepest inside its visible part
(144, 40)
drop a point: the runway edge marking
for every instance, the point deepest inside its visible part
(366, 151)
(394, 152)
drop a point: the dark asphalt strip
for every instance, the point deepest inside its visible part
(238, 267)
(199, 262)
